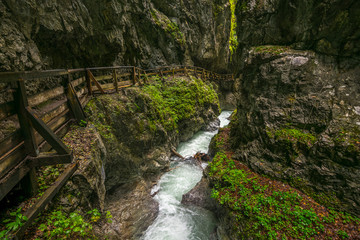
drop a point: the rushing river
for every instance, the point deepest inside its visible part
(176, 221)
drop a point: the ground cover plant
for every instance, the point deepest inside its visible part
(264, 208)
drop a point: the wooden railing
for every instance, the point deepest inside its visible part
(41, 119)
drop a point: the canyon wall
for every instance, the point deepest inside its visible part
(298, 116)
(83, 33)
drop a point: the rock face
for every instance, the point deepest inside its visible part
(326, 27)
(86, 188)
(200, 196)
(298, 121)
(82, 33)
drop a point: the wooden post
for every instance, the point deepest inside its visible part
(29, 182)
(187, 73)
(162, 76)
(134, 76)
(195, 71)
(115, 81)
(73, 101)
(92, 79)
(88, 82)
(173, 72)
(47, 133)
(146, 77)
(138, 76)
(26, 128)
(203, 74)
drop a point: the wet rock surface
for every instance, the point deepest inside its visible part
(298, 122)
(326, 27)
(133, 210)
(71, 34)
(200, 196)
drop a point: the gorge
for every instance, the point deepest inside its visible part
(295, 128)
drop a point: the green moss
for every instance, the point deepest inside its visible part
(233, 41)
(328, 199)
(217, 9)
(262, 210)
(342, 20)
(178, 99)
(271, 49)
(266, 212)
(350, 137)
(168, 26)
(292, 135)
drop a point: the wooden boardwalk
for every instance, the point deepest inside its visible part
(44, 118)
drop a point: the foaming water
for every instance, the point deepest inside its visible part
(176, 221)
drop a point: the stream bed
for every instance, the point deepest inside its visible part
(176, 221)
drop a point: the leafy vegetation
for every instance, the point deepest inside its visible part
(263, 208)
(349, 137)
(271, 49)
(292, 135)
(233, 41)
(60, 225)
(169, 26)
(178, 99)
(12, 224)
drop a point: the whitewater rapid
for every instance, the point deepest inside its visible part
(176, 221)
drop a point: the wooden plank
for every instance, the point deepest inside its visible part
(49, 194)
(60, 108)
(92, 79)
(15, 76)
(124, 75)
(78, 81)
(88, 83)
(47, 133)
(60, 132)
(45, 96)
(17, 153)
(11, 141)
(45, 159)
(12, 158)
(7, 109)
(103, 78)
(134, 76)
(8, 182)
(110, 87)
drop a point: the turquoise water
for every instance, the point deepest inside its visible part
(176, 221)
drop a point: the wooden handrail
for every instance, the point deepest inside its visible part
(31, 75)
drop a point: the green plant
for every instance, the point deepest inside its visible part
(271, 49)
(168, 26)
(94, 214)
(82, 123)
(175, 100)
(13, 224)
(59, 225)
(109, 216)
(233, 41)
(342, 234)
(292, 135)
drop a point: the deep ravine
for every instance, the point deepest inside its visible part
(177, 221)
